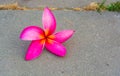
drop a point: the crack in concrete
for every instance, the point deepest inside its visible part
(92, 6)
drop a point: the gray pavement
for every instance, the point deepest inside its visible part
(53, 3)
(94, 49)
(7, 1)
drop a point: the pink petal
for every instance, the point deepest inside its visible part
(49, 22)
(32, 33)
(63, 35)
(34, 50)
(56, 48)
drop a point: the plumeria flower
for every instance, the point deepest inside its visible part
(45, 37)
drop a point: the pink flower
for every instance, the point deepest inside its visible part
(45, 37)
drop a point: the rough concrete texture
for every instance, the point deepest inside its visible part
(53, 3)
(94, 50)
(7, 1)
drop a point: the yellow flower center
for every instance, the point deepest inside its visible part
(46, 38)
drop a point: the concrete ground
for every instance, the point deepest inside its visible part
(94, 50)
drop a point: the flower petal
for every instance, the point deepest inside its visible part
(55, 47)
(49, 22)
(63, 35)
(34, 50)
(32, 33)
